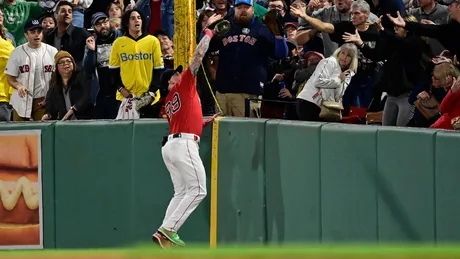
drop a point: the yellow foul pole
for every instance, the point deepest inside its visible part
(184, 31)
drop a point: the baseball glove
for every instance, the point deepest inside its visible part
(220, 27)
(144, 100)
(273, 20)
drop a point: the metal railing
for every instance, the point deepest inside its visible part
(247, 104)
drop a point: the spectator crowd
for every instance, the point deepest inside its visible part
(386, 62)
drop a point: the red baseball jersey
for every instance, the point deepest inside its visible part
(183, 106)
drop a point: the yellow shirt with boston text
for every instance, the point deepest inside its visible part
(136, 60)
(5, 51)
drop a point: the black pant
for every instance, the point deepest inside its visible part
(307, 111)
(106, 107)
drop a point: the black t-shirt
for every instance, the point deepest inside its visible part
(369, 37)
(103, 49)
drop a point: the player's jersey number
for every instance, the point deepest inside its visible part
(173, 106)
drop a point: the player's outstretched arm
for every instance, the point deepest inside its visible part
(203, 45)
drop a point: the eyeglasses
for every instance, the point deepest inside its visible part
(103, 22)
(276, 7)
(65, 61)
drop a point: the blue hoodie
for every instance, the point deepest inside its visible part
(244, 57)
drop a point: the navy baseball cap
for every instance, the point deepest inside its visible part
(97, 16)
(167, 74)
(246, 2)
(32, 24)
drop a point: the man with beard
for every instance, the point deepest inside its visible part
(340, 12)
(29, 71)
(96, 61)
(65, 36)
(136, 65)
(16, 14)
(244, 53)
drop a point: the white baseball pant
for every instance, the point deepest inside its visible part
(182, 158)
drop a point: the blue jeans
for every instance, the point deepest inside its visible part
(78, 18)
(167, 17)
(5, 111)
(359, 92)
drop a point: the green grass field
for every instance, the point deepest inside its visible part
(287, 251)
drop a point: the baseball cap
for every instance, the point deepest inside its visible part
(290, 24)
(247, 2)
(313, 53)
(167, 74)
(62, 3)
(159, 32)
(97, 16)
(32, 24)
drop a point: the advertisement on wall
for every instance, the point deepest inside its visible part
(21, 212)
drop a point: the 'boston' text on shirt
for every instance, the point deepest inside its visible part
(137, 56)
(239, 38)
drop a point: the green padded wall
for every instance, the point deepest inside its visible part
(447, 179)
(348, 193)
(150, 179)
(93, 183)
(406, 165)
(241, 212)
(293, 181)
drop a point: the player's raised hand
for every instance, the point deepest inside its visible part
(398, 20)
(90, 43)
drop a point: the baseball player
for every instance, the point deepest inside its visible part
(180, 149)
(29, 72)
(135, 61)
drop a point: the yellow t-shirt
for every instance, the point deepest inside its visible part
(136, 60)
(5, 51)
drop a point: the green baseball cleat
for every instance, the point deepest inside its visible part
(172, 236)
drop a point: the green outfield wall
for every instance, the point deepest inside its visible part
(282, 181)
(105, 184)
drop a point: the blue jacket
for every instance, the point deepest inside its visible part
(89, 59)
(144, 6)
(89, 67)
(244, 57)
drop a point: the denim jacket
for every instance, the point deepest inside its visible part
(144, 6)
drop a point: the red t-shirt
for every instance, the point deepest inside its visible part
(183, 107)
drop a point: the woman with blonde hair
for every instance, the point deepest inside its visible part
(447, 76)
(328, 83)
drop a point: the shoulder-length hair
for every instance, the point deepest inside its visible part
(125, 20)
(352, 51)
(56, 78)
